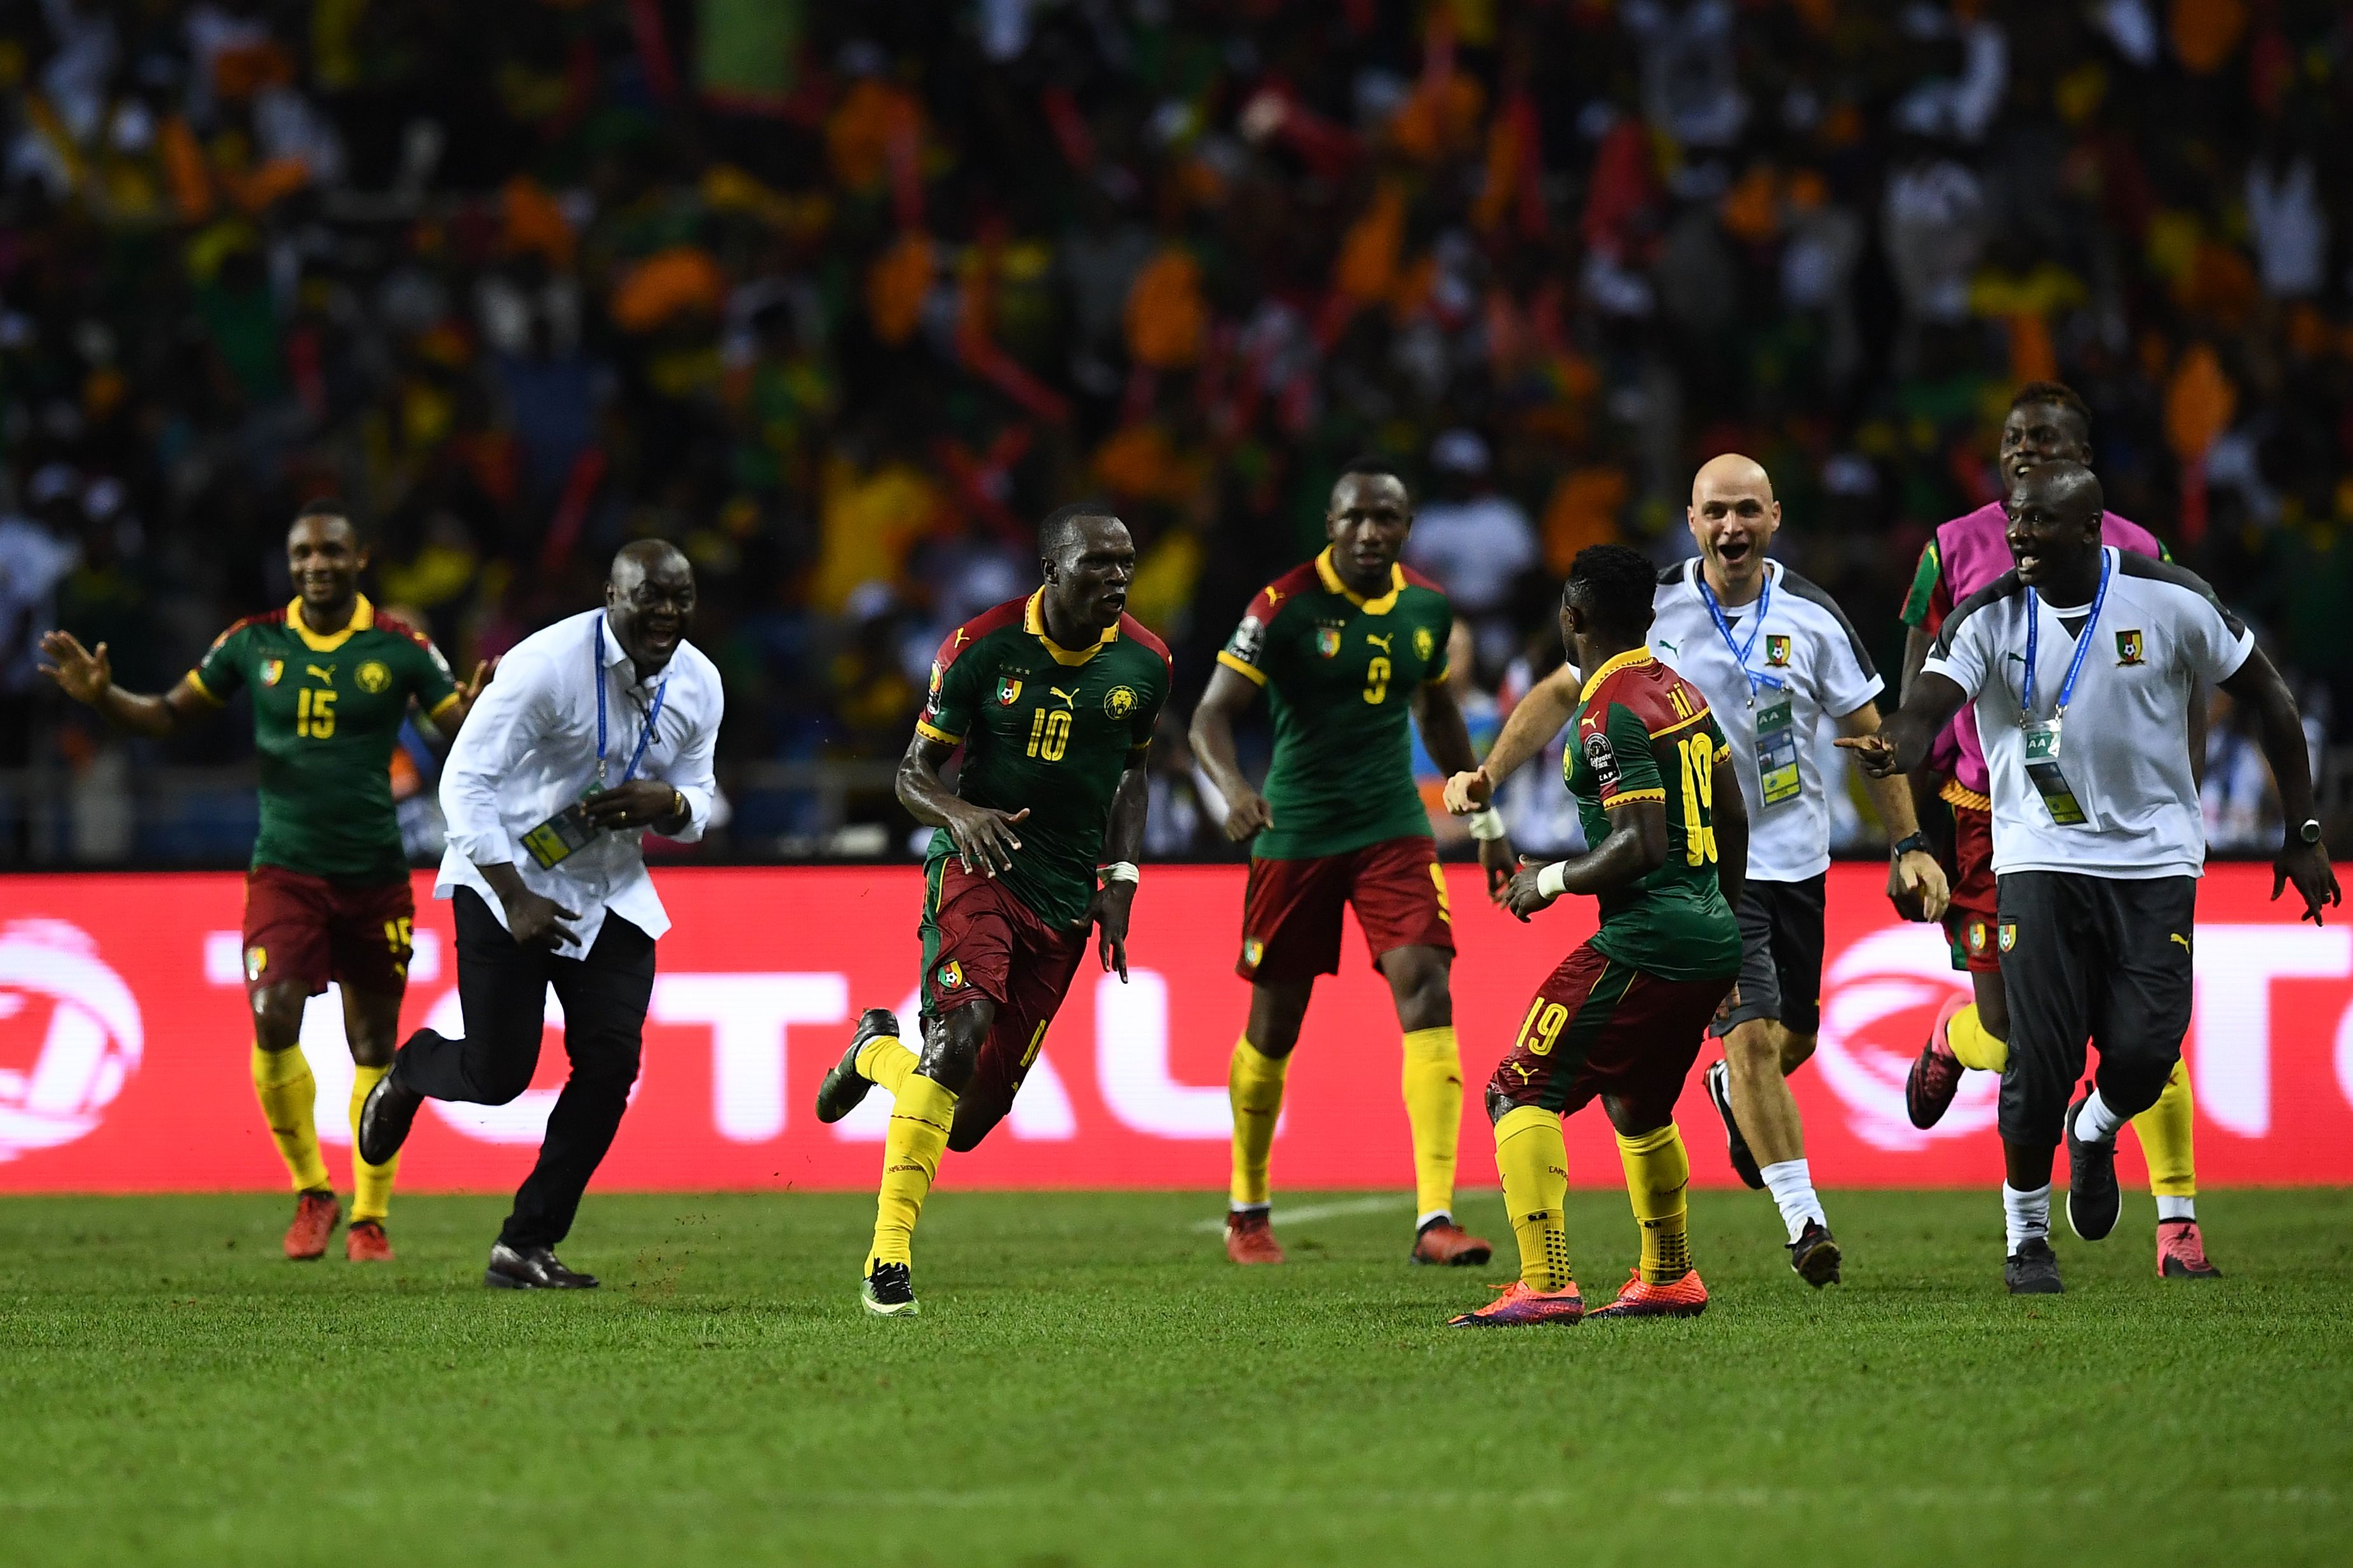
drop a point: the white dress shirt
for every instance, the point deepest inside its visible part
(529, 748)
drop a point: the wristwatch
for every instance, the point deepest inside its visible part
(2310, 832)
(1908, 843)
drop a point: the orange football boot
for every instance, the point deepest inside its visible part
(1250, 1238)
(366, 1243)
(1517, 1303)
(315, 1214)
(1684, 1297)
(2181, 1251)
(1441, 1241)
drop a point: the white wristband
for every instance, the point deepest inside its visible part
(1486, 823)
(1122, 871)
(1552, 880)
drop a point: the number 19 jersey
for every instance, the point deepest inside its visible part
(1643, 732)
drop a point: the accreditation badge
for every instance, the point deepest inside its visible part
(2042, 770)
(554, 841)
(1776, 754)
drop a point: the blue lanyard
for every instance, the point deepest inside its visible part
(2083, 646)
(1740, 651)
(653, 713)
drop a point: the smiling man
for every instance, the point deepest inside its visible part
(327, 898)
(1347, 646)
(2081, 662)
(598, 729)
(1051, 698)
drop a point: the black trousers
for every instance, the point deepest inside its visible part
(2102, 958)
(503, 989)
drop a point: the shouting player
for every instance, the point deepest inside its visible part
(1346, 645)
(1623, 1015)
(328, 896)
(1052, 699)
(2047, 423)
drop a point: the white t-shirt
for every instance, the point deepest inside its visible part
(1807, 644)
(2124, 741)
(1474, 548)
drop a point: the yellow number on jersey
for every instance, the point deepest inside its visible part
(1049, 734)
(1699, 785)
(314, 713)
(1377, 679)
(1540, 1030)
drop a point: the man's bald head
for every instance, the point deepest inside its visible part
(2070, 490)
(2055, 511)
(1733, 517)
(649, 601)
(642, 558)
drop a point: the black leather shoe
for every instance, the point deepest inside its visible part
(1815, 1254)
(2032, 1269)
(2094, 1199)
(385, 1117)
(1719, 1089)
(845, 1086)
(532, 1269)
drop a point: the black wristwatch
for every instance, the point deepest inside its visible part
(1908, 843)
(2310, 832)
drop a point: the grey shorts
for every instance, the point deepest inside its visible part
(1780, 956)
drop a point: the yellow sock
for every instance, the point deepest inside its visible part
(1254, 1086)
(911, 1159)
(282, 1082)
(1657, 1173)
(2166, 1140)
(372, 1196)
(886, 1061)
(1533, 1163)
(1433, 1104)
(1974, 1044)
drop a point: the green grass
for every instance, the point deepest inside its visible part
(1090, 1384)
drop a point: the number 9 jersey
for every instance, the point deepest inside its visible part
(1643, 732)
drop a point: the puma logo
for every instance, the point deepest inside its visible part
(2177, 936)
(1069, 699)
(1380, 643)
(959, 638)
(327, 675)
(1273, 598)
(1663, 642)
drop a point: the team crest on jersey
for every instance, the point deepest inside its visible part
(1119, 701)
(1423, 642)
(937, 678)
(374, 677)
(950, 975)
(272, 669)
(1976, 936)
(2009, 935)
(1777, 651)
(2129, 649)
(257, 959)
(1327, 640)
(1253, 951)
(1009, 690)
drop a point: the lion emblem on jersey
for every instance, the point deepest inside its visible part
(374, 677)
(272, 669)
(1119, 701)
(1423, 642)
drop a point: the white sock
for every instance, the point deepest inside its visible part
(2095, 1123)
(1791, 1183)
(1247, 1208)
(2026, 1216)
(2176, 1208)
(1446, 1215)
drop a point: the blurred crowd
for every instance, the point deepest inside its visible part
(843, 297)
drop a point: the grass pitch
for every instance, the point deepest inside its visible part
(1092, 1384)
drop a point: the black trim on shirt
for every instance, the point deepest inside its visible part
(2005, 586)
(1813, 595)
(2167, 573)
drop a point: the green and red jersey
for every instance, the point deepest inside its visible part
(1340, 671)
(1049, 728)
(327, 712)
(1643, 732)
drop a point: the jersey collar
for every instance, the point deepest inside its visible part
(1033, 621)
(363, 617)
(1332, 582)
(1612, 666)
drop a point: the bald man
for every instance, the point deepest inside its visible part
(598, 729)
(1774, 656)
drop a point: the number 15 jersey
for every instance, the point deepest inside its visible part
(1643, 732)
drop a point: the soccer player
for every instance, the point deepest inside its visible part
(1623, 1015)
(1052, 699)
(2047, 422)
(1774, 655)
(327, 896)
(1346, 647)
(2081, 661)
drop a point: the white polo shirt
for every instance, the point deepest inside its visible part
(1807, 644)
(2124, 741)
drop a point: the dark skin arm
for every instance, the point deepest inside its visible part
(1122, 840)
(532, 919)
(87, 675)
(2279, 730)
(1229, 697)
(1447, 739)
(1728, 815)
(1930, 700)
(985, 837)
(1636, 846)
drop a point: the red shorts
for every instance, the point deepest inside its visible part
(980, 940)
(306, 931)
(1291, 912)
(1601, 1028)
(1969, 919)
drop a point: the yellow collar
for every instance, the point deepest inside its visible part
(1033, 621)
(1610, 666)
(363, 617)
(1334, 583)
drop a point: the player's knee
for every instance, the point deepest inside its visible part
(1502, 1097)
(1424, 999)
(952, 1050)
(972, 1122)
(1795, 1049)
(1751, 1048)
(277, 1017)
